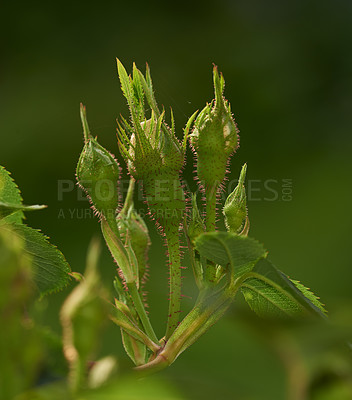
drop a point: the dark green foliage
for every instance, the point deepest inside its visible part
(49, 268)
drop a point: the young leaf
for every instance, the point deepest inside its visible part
(126, 84)
(50, 269)
(120, 315)
(229, 249)
(9, 193)
(270, 293)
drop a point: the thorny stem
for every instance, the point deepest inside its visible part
(132, 287)
(196, 266)
(173, 244)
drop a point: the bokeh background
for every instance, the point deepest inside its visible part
(288, 72)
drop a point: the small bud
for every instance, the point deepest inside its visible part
(98, 173)
(235, 209)
(196, 224)
(135, 232)
(215, 137)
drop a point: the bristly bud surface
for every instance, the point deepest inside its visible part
(155, 157)
(235, 208)
(215, 137)
(98, 173)
(151, 149)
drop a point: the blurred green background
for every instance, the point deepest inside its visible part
(288, 72)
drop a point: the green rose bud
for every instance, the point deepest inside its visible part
(215, 137)
(98, 173)
(235, 208)
(155, 158)
(152, 151)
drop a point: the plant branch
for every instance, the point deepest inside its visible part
(173, 244)
(208, 310)
(119, 253)
(210, 196)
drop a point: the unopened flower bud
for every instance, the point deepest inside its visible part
(215, 137)
(98, 173)
(152, 151)
(235, 208)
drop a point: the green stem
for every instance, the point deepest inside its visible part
(78, 374)
(211, 208)
(196, 263)
(86, 131)
(129, 197)
(208, 310)
(173, 244)
(136, 298)
(120, 255)
(210, 270)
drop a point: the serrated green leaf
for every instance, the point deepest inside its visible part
(228, 249)
(9, 193)
(187, 129)
(50, 269)
(310, 295)
(267, 300)
(126, 84)
(148, 91)
(270, 293)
